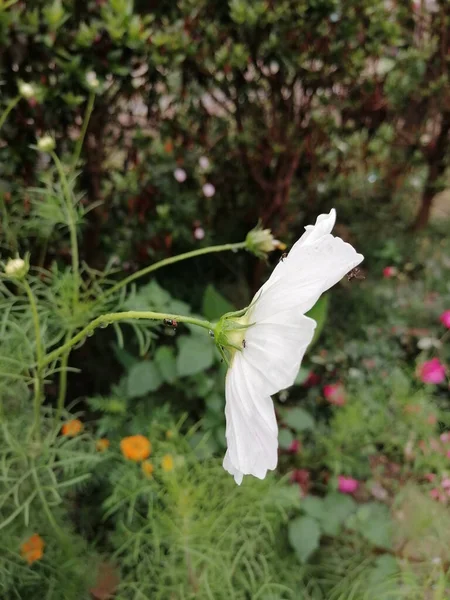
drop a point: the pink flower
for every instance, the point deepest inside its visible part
(294, 447)
(180, 175)
(430, 477)
(445, 437)
(301, 477)
(446, 483)
(208, 190)
(445, 319)
(199, 233)
(335, 393)
(347, 485)
(432, 371)
(389, 272)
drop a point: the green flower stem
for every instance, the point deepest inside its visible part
(120, 316)
(87, 116)
(169, 261)
(8, 109)
(63, 378)
(38, 379)
(72, 229)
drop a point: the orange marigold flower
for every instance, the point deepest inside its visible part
(32, 549)
(136, 447)
(102, 444)
(147, 468)
(72, 428)
(167, 463)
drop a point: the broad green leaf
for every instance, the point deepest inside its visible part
(214, 304)
(313, 506)
(304, 536)
(196, 355)
(143, 377)
(373, 521)
(337, 508)
(165, 359)
(285, 438)
(319, 313)
(298, 419)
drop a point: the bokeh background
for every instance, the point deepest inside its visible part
(199, 119)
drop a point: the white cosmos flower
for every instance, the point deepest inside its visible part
(268, 343)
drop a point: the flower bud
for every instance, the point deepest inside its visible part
(16, 268)
(261, 241)
(92, 80)
(27, 90)
(46, 143)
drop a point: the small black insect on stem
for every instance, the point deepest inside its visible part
(171, 323)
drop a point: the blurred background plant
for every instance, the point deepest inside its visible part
(133, 131)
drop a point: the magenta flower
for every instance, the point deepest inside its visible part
(347, 485)
(432, 371)
(335, 393)
(294, 447)
(445, 319)
(389, 272)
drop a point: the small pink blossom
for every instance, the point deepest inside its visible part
(302, 478)
(432, 371)
(347, 485)
(445, 437)
(335, 393)
(199, 233)
(435, 493)
(446, 483)
(295, 446)
(180, 175)
(208, 190)
(389, 272)
(430, 477)
(203, 161)
(445, 319)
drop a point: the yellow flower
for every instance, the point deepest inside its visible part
(102, 444)
(136, 447)
(169, 434)
(147, 468)
(32, 549)
(167, 463)
(72, 428)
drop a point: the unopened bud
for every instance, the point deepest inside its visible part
(46, 143)
(261, 241)
(16, 268)
(27, 90)
(92, 80)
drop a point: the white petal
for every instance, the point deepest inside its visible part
(300, 280)
(275, 347)
(251, 430)
(324, 224)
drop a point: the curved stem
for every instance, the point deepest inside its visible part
(169, 261)
(72, 228)
(8, 109)
(38, 380)
(80, 140)
(63, 378)
(120, 316)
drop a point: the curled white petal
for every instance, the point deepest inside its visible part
(251, 430)
(300, 280)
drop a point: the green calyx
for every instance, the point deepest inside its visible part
(229, 333)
